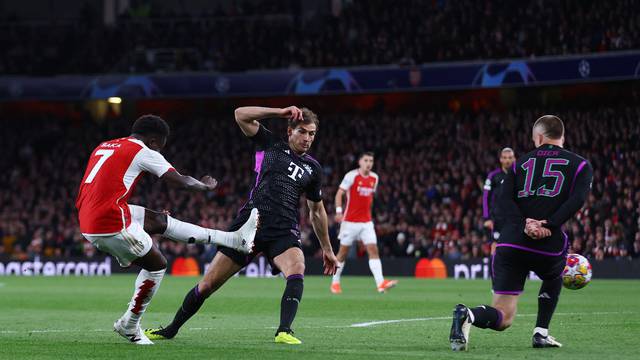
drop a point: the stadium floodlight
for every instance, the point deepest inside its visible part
(114, 100)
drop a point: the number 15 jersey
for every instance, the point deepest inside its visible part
(109, 180)
(549, 183)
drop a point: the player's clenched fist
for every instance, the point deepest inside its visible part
(209, 182)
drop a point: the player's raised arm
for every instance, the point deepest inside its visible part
(175, 179)
(247, 116)
(320, 223)
(578, 196)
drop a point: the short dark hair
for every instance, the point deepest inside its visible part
(147, 125)
(308, 117)
(366, 153)
(550, 126)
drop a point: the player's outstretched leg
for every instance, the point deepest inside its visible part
(484, 317)
(174, 229)
(220, 270)
(147, 283)
(547, 300)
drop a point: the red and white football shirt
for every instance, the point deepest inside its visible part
(360, 190)
(112, 172)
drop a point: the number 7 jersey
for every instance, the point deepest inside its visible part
(109, 180)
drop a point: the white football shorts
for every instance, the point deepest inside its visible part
(352, 231)
(129, 244)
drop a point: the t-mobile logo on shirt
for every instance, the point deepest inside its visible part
(296, 171)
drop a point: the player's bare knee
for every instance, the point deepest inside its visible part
(507, 319)
(504, 325)
(372, 250)
(206, 288)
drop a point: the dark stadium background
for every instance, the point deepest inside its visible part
(434, 142)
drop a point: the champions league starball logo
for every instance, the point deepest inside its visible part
(498, 74)
(321, 81)
(124, 86)
(584, 68)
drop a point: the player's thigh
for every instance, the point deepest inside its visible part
(153, 222)
(548, 267)
(290, 262)
(349, 232)
(370, 239)
(509, 271)
(221, 268)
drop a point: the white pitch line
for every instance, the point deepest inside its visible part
(383, 322)
(44, 331)
(357, 325)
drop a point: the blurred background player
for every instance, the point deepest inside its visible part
(356, 222)
(122, 230)
(284, 172)
(543, 190)
(492, 214)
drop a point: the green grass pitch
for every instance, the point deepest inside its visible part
(71, 318)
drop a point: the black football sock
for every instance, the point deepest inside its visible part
(290, 301)
(486, 317)
(190, 305)
(547, 300)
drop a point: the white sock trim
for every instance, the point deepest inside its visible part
(542, 331)
(470, 315)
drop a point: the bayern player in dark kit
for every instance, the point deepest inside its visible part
(491, 212)
(543, 190)
(284, 172)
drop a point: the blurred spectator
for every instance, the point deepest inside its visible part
(274, 34)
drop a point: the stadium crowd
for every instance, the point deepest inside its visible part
(282, 34)
(429, 203)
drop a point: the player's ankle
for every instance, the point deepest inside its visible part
(169, 332)
(542, 331)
